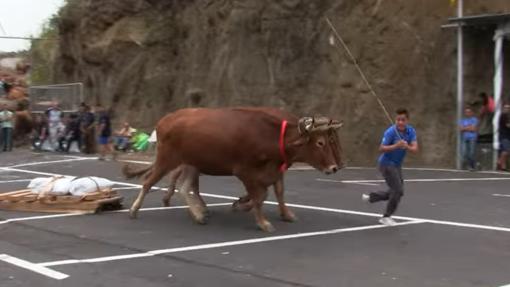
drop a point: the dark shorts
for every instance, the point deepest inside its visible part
(505, 145)
(103, 140)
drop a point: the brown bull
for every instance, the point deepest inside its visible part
(199, 211)
(243, 142)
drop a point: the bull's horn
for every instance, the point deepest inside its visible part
(305, 124)
(332, 125)
(319, 121)
(336, 125)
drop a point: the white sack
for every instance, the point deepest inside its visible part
(38, 183)
(84, 185)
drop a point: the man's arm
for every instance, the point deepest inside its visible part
(413, 147)
(387, 148)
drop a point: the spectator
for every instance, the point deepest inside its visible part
(40, 131)
(485, 129)
(73, 132)
(61, 134)
(87, 129)
(504, 138)
(468, 127)
(105, 132)
(54, 115)
(123, 136)
(2, 91)
(7, 123)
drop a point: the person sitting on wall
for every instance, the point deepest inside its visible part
(123, 137)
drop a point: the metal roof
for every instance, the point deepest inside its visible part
(481, 20)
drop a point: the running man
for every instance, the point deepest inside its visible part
(397, 140)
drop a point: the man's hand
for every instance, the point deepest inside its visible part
(402, 144)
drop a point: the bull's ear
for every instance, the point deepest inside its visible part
(300, 141)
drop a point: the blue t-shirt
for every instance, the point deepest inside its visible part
(104, 119)
(396, 157)
(472, 121)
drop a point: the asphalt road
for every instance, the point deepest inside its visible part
(454, 230)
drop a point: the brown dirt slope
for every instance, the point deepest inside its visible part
(145, 57)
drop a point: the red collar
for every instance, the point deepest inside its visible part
(285, 164)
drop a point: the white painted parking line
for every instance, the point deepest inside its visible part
(172, 207)
(33, 267)
(442, 222)
(300, 167)
(501, 195)
(417, 180)
(42, 217)
(48, 162)
(39, 217)
(221, 244)
(125, 188)
(15, 180)
(364, 183)
(306, 167)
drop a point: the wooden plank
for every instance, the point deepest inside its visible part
(21, 194)
(7, 194)
(24, 200)
(37, 206)
(99, 195)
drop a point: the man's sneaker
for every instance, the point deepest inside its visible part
(388, 221)
(365, 198)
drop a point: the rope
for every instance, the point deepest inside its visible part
(359, 70)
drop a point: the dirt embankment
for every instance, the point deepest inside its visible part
(147, 57)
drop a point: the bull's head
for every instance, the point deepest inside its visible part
(318, 143)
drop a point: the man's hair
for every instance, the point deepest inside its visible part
(402, 111)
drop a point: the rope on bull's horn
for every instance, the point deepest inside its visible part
(339, 38)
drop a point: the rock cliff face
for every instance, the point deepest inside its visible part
(149, 57)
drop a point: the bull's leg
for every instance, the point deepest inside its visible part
(285, 213)
(258, 194)
(195, 206)
(243, 204)
(196, 192)
(173, 177)
(153, 177)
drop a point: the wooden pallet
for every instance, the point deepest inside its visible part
(25, 200)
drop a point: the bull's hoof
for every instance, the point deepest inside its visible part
(266, 227)
(242, 206)
(235, 206)
(288, 217)
(133, 214)
(199, 218)
(166, 203)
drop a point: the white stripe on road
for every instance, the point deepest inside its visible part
(115, 211)
(364, 183)
(301, 167)
(173, 207)
(417, 180)
(33, 267)
(501, 195)
(15, 180)
(220, 244)
(49, 162)
(124, 188)
(450, 223)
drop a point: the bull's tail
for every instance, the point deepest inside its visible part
(129, 172)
